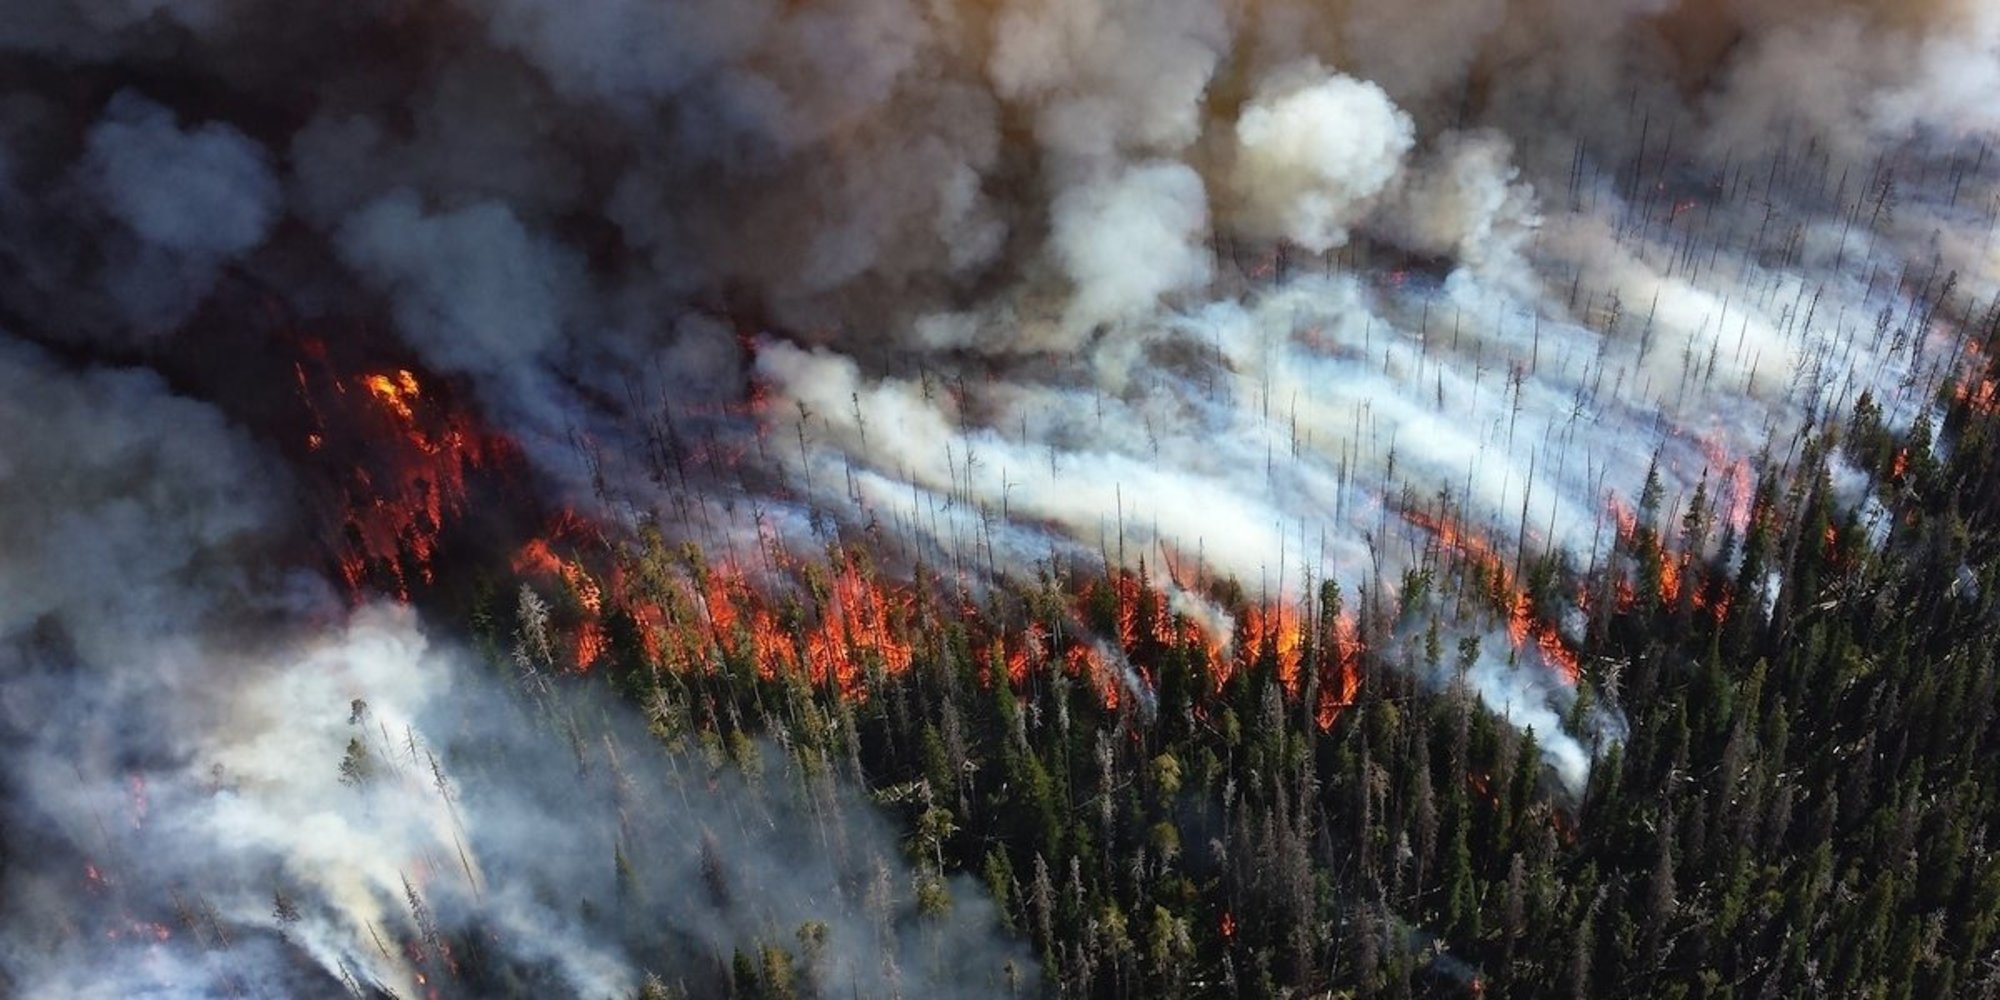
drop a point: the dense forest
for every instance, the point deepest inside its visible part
(1798, 804)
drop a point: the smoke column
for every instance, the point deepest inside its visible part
(1276, 291)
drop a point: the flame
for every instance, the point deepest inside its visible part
(1981, 399)
(538, 559)
(861, 624)
(1228, 926)
(1273, 628)
(396, 391)
(1677, 569)
(1086, 662)
(1670, 577)
(1977, 391)
(856, 626)
(1346, 682)
(399, 457)
(1034, 643)
(1737, 481)
(1126, 586)
(1524, 629)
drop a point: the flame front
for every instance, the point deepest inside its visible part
(1524, 628)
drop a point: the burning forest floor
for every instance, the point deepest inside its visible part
(1155, 802)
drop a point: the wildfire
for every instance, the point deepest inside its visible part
(538, 559)
(1677, 569)
(1978, 391)
(1346, 683)
(1086, 662)
(856, 625)
(1524, 628)
(860, 625)
(1738, 483)
(399, 457)
(1273, 629)
(397, 391)
(1981, 398)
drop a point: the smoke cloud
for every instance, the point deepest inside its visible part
(1312, 151)
(194, 734)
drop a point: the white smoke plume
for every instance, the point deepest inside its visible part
(194, 733)
(1271, 290)
(1312, 152)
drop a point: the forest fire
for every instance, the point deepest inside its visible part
(1738, 481)
(1272, 630)
(859, 629)
(1087, 663)
(1981, 395)
(1525, 629)
(399, 458)
(397, 391)
(706, 455)
(1337, 696)
(537, 560)
(854, 626)
(1678, 573)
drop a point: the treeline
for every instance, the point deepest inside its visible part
(1800, 806)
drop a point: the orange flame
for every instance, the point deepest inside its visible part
(401, 462)
(1736, 479)
(1346, 683)
(397, 391)
(856, 625)
(538, 559)
(1522, 624)
(1273, 629)
(1085, 662)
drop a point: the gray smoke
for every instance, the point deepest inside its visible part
(182, 716)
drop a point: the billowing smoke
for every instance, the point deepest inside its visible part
(232, 785)
(1312, 152)
(1278, 292)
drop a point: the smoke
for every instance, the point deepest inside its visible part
(192, 201)
(1277, 292)
(194, 733)
(1130, 240)
(1312, 151)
